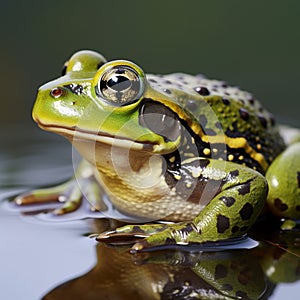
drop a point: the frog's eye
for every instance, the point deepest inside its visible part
(161, 120)
(83, 61)
(120, 85)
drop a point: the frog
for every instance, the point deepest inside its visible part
(188, 159)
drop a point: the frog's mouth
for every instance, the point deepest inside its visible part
(75, 133)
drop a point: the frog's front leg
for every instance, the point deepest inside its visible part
(239, 197)
(70, 193)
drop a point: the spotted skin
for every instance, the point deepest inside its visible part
(229, 201)
(247, 211)
(236, 111)
(223, 223)
(77, 89)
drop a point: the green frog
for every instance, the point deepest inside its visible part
(195, 154)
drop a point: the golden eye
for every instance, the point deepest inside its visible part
(120, 85)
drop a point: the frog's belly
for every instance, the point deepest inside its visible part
(146, 198)
(172, 208)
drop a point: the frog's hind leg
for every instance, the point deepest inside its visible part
(229, 214)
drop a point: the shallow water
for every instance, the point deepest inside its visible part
(48, 259)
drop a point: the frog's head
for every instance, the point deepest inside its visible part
(110, 103)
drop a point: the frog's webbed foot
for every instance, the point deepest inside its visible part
(149, 236)
(130, 234)
(64, 193)
(70, 194)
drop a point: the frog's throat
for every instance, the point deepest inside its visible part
(99, 137)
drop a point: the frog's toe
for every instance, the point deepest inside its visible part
(72, 199)
(31, 198)
(130, 234)
(93, 194)
(120, 238)
(71, 202)
(157, 241)
(40, 196)
(141, 246)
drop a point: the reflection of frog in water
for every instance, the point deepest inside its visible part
(177, 148)
(167, 275)
(232, 274)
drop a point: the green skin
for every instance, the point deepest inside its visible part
(177, 147)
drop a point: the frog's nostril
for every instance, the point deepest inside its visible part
(56, 92)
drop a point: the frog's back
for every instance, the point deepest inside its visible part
(226, 115)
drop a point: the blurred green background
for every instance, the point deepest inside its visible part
(252, 44)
